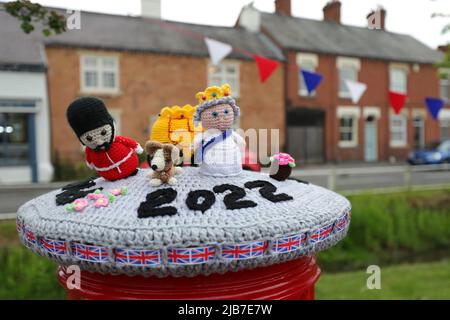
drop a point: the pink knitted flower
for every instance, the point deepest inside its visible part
(80, 204)
(118, 191)
(283, 159)
(96, 195)
(101, 202)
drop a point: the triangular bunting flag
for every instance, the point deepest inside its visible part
(397, 101)
(434, 106)
(312, 80)
(265, 66)
(217, 50)
(356, 89)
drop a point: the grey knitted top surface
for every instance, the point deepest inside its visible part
(113, 239)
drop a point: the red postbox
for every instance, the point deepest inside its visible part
(293, 280)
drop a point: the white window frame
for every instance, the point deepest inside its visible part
(235, 91)
(303, 59)
(444, 82)
(355, 114)
(345, 62)
(99, 69)
(404, 128)
(444, 122)
(404, 69)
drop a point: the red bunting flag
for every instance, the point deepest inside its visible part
(265, 66)
(397, 100)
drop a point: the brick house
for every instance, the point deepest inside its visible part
(327, 126)
(24, 107)
(140, 64)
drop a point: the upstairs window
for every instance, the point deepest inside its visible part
(348, 70)
(99, 74)
(226, 72)
(398, 76)
(445, 84)
(307, 62)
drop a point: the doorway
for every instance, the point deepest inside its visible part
(371, 139)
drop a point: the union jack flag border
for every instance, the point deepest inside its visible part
(343, 222)
(30, 237)
(90, 253)
(321, 234)
(54, 247)
(135, 257)
(244, 251)
(19, 226)
(191, 256)
(289, 243)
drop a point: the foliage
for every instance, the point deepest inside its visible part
(393, 228)
(30, 13)
(69, 171)
(417, 281)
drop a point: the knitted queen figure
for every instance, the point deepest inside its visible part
(218, 149)
(113, 157)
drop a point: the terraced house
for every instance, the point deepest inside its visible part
(327, 126)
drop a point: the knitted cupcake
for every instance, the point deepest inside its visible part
(281, 166)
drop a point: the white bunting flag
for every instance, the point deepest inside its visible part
(356, 89)
(217, 50)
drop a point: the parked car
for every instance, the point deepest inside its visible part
(435, 153)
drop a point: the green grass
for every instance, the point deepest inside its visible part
(402, 282)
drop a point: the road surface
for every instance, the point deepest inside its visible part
(347, 179)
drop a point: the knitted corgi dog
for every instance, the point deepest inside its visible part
(162, 158)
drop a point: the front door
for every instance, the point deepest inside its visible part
(371, 139)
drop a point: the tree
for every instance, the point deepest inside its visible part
(30, 13)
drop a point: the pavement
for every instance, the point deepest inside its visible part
(343, 178)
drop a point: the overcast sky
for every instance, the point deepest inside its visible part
(404, 16)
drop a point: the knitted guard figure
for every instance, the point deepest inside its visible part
(113, 157)
(218, 149)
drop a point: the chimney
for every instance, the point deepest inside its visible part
(250, 18)
(151, 9)
(283, 7)
(332, 11)
(376, 19)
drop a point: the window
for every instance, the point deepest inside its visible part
(14, 139)
(348, 70)
(99, 74)
(398, 131)
(445, 129)
(399, 79)
(226, 72)
(348, 126)
(445, 84)
(308, 62)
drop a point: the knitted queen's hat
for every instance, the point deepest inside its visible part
(214, 96)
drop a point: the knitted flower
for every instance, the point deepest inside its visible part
(78, 205)
(101, 202)
(96, 195)
(284, 159)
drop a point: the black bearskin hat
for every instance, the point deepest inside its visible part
(86, 114)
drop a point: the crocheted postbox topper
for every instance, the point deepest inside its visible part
(201, 225)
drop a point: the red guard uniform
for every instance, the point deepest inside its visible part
(120, 161)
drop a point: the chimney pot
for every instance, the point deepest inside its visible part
(376, 19)
(283, 7)
(151, 9)
(332, 11)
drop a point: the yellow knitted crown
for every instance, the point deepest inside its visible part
(212, 93)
